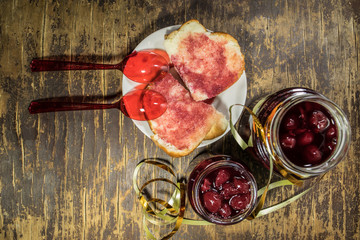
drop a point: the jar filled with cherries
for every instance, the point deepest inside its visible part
(307, 133)
(221, 189)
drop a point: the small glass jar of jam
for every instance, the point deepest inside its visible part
(307, 133)
(221, 189)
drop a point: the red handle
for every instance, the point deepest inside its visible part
(51, 65)
(42, 107)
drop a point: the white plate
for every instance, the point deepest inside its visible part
(236, 94)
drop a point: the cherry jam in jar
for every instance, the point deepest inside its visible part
(308, 133)
(220, 189)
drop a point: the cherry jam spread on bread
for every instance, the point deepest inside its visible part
(207, 62)
(198, 48)
(308, 134)
(183, 117)
(225, 193)
(185, 123)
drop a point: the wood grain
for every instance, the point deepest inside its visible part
(68, 175)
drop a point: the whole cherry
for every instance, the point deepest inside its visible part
(239, 202)
(241, 185)
(287, 141)
(225, 210)
(312, 154)
(212, 201)
(291, 122)
(305, 138)
(206, 185)
(221, 177)
(318, 121)
(229, 190)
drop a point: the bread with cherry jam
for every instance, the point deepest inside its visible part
(207, 62)
(185, 123)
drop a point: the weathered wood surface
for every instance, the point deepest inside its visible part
(68, 175)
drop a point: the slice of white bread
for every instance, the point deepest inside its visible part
(207, 62)
(185, 123)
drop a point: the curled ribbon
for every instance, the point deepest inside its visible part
(173, 210)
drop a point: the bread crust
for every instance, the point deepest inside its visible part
(218, 128)
(183, 26)
(172, 152)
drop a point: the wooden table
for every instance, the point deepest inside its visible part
(68, 175)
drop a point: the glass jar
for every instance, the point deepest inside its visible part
(220, 189)
(287, 116)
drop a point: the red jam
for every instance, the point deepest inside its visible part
(206, 75)
(185, 119)
(225, 193)
(308, 134)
